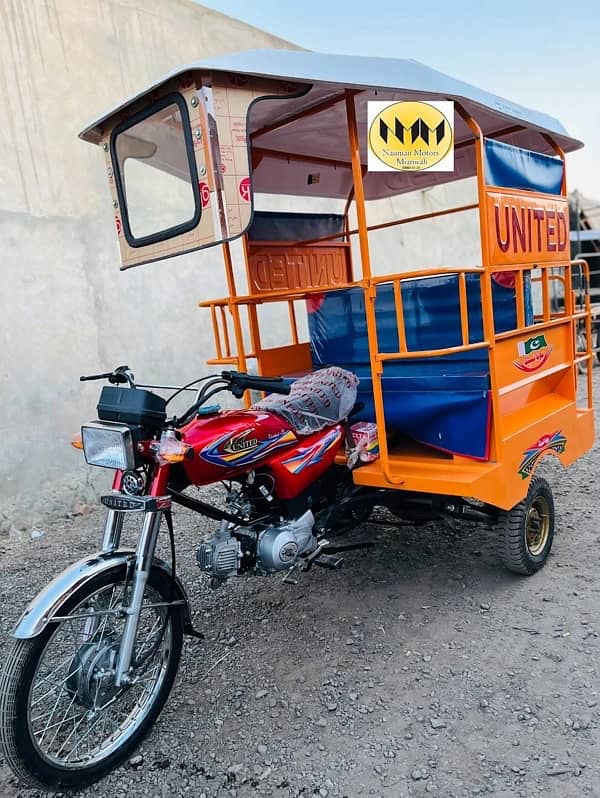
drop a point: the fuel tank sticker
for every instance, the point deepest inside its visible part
(313, 454)
(243, 448)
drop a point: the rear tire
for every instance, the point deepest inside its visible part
(22, 747)
(528, 530)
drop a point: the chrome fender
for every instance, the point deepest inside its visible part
(47, 604)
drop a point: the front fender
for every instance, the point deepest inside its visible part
(47, 604)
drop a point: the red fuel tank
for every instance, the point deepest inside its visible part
(230, 443)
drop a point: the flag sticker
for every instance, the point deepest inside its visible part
(533, 353)
(532, 345)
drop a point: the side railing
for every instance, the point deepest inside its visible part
(574, 314)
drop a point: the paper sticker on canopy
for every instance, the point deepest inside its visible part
(298, 139)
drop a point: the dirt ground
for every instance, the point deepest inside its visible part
(421, 668)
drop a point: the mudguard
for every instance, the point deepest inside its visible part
(47, 604)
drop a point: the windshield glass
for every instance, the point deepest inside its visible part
(157, 180)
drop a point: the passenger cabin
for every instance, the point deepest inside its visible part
(470, 372)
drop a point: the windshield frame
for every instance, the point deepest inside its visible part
(173, 98)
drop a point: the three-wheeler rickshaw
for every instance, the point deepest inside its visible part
(434, 391)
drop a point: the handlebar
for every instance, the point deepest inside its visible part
(119, 376)
(239, 382)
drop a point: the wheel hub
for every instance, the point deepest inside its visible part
(92, 674)
(538, 526)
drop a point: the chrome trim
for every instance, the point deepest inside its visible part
(144, 555)
(49, 602)
(112, 531)
(125, 503)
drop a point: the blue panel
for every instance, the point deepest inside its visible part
(449, 412)
(338, 327)
(441, 401)
(507, 166)
(284, 226)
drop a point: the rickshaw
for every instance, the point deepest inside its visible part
(433, 391)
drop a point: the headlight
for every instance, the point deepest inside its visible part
(108, 445)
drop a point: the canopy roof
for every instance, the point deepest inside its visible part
(316, 144)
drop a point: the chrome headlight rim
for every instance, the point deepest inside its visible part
(125, 436)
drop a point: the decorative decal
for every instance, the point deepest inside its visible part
(204, 194)
(313, 454)
(240, 449)
(245, 189)
(555, 442)
(533, 353)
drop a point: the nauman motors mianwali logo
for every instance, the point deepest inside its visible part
(411, 136)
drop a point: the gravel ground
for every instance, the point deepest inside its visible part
(422, 667)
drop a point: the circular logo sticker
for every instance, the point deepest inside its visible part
(245, 189)
(204, 194)
(410, 136)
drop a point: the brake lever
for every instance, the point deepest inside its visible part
(236, 390)
(121, 375)
(95, 376)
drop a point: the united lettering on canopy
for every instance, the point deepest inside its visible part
(274, 266)
(524, 227)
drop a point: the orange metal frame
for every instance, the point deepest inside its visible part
(530, 403)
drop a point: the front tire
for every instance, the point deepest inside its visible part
(528, 530)
(51, 744)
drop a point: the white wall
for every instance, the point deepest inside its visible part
(65, 308)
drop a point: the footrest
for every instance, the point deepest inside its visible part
(329, 561)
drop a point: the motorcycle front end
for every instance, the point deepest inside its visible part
(94, 656)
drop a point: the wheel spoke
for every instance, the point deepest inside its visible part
(56, 687)
(76, 714)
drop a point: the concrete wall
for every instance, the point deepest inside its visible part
(65, 308)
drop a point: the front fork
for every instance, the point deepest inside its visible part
(144, 555)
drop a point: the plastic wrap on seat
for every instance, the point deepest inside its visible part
(316, 401)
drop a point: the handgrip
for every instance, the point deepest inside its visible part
(96, 376)
(268, 385)
(239, 382)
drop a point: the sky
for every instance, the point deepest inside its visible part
(543, 54)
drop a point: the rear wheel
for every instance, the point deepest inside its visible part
(63, 722)
(528, 530)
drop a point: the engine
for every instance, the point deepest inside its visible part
(260, 551)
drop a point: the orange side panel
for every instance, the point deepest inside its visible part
(280, 360)
(525, 227)
(532, 352)
(280, 266)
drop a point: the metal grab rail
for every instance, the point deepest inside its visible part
(575, 311)
(397, 279)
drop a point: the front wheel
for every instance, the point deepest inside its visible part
(63, 722)
(528, 530)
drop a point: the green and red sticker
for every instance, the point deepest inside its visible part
(533, 353)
